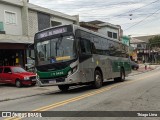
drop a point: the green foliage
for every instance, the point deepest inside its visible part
(154, 40)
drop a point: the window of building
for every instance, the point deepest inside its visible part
(10, 17)
(1, 26)
(55, 23)
(110, 34)
(115, 35)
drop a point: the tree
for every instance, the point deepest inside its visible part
(154, 42)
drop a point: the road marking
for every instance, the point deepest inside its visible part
(62, 103)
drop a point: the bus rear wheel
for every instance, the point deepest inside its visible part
(63, 88)
(122, 76)
(97, 79)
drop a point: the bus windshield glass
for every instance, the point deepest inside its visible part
(55, 50)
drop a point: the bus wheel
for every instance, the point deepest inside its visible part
(63, 88)
(122, 76)
(97, 79)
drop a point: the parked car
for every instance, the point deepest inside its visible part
(134, 65)
(16, 75)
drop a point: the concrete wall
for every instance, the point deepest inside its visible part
(104, 30)
(13, 29)
(33, 22)
(63, 21)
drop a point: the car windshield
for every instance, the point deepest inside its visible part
(18, 70)
(55, 50)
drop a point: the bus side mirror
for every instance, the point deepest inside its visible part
(31, 55)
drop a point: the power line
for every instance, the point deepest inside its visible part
(104, 16)
(120, 3)
(139, 8)
(98, 4)
(148, 22)
(142, 20)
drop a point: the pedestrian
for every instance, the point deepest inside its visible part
(145, 64)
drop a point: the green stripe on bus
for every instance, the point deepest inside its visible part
(54, 74)
(116, 66)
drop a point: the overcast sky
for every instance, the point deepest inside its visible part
(137, 17)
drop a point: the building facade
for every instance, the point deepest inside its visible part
(19, 21)
(141, 51)
(110, 30)
(153, 48)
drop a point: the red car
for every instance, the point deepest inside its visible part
(16, 75)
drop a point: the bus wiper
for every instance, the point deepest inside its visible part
(58, 43)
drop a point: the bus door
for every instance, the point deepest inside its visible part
(86, 59)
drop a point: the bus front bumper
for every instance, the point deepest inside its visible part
(59, 81)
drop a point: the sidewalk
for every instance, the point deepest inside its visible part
(142, 69)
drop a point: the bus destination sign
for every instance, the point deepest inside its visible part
(51, 32)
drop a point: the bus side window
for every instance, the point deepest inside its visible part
(85, 46)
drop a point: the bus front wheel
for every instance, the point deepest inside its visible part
(97, 79)
(63, 88)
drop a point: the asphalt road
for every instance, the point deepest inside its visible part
(138, 93)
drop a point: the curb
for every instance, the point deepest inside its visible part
(143, 72)
(8, 99)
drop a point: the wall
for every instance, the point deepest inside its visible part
(104, 30)
(62, 20)
(33, 22)
(9, 28)
(39, 21)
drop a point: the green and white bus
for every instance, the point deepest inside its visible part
(71, 55)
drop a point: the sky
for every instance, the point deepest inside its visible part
(136, 17)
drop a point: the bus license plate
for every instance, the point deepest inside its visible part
(52, 82)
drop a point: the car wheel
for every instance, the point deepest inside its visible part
(33, 84)
(18, 83)
(98, 81)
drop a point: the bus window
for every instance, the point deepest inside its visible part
(85, 46)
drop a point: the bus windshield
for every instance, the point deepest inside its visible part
(55, 50)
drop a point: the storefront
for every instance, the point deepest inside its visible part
(12, 54)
